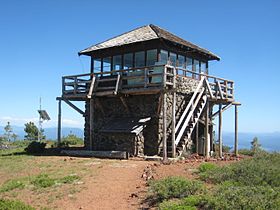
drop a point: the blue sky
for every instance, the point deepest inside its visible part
(39, 41)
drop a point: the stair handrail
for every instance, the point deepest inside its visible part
(91, 87)
(200, 84)
(184, 126)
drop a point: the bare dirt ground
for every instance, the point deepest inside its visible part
(104, 183)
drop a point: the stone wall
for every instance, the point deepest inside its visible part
(149, 141)
(109, 108)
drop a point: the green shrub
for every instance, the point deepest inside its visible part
(261, 170)
(188, 203)
(11, 185)
(174, 187)
(69, 179)
(246, 152)
(43, 181)
(35, 147)
(14, 205)
(20, 143)
(241, 197)
(72, 139)
(175, 205)
(204, 167)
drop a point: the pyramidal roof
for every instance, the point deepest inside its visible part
(146, 33)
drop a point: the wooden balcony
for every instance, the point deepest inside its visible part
(145, 80)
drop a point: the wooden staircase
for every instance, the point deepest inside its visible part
(102, 86)
(189, 119)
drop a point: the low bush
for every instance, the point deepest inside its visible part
(241, 197)
(174, 187)
(69, 179)
(246, 152)
(43, 181)
(11, 185)
(261, 170)
(35, 147)
(14, 205)
(72, 139)
(20, 143)
(204, 167)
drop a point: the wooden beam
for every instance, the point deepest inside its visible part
(164, 140)
(220, 132)
(220, 90)
(209, 88)
(173, 124)
(91, 124)
(91, 87)
(74, 107)
(196, 137)
(236, 132)
(206, 132)
(59, 124)
(223, 109)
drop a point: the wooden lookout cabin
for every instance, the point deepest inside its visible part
(149, 92)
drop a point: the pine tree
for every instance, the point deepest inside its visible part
(8, 131)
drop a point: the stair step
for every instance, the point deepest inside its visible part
(105, 88)
(106, 79)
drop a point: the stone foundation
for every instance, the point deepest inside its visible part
(149, 141)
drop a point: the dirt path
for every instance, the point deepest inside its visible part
(118, 185)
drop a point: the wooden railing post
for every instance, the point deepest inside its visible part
(236, 132)
(220, 132)
(164, 116)
(59, 124)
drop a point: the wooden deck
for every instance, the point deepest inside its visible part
(140, 81)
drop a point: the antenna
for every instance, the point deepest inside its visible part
(43, 115)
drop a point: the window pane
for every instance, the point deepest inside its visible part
(117, 62)
(128, 61)
(173, 58)
(97, 65)
(189, 64)
(181, 61)
(196, 65)
(140, 59)
(203, 67)
(107, 64)
(151, 57)
(163, 57)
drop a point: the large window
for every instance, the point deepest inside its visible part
(140, 59)
(97, 65)
(181, 61)
(172, 59)
(163, 57)
(189, 64)
(196, 66)
(128, 61)
(106, 64)
(151, 57)
(117, 62)
(203, 67)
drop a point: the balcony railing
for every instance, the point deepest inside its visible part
(146, 78)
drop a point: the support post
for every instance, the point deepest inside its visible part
(173, 124)
(196, 137)
(207, 139)
(59, 123)
(164, 141)
(236, 132)
(220, 132)
(91, 131)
